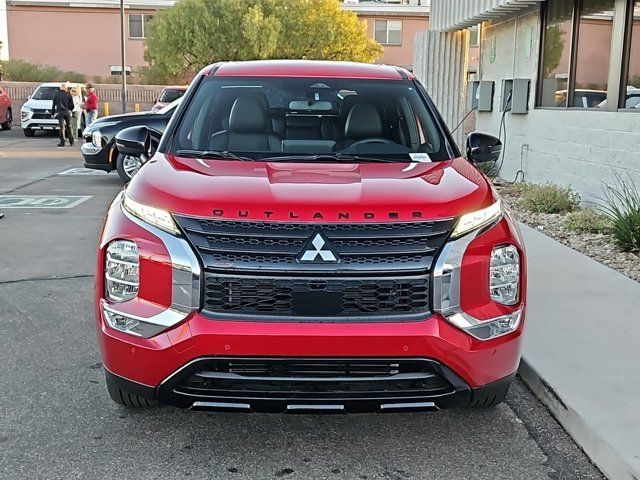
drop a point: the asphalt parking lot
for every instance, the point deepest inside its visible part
(57, 421)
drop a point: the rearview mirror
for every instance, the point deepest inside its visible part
(133, 141)
(483, 148)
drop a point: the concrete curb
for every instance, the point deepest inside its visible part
(601, 453)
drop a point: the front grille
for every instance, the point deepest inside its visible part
(251, 247)
(326, 378)
(316, 299)
(41, 116)
(256, 270)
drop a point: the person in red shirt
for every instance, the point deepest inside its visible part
(91, 104)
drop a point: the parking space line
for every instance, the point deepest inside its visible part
(81, 171)
(41, 201)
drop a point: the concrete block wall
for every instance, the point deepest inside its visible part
(576, 148)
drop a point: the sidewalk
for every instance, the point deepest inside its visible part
(582, 351)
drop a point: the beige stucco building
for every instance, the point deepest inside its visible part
(84, 36)
(574, 118)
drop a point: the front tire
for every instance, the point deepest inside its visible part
(126, 398)
(127, 166)
(7, 125)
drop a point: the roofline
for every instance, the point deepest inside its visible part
(403, 73)
(108, 4)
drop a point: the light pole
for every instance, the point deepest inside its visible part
(122, 59)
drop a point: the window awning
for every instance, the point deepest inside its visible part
(448, 15)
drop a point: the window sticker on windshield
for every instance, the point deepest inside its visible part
(420, 157)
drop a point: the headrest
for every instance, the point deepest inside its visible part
(363, 121)
(247, 116)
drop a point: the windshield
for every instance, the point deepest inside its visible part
(45, 93)
(168, 95)
(257, 118)
(171, 106)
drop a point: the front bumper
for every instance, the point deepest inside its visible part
(96, 158)
(363, 400)
(154, 365)
(40, 124)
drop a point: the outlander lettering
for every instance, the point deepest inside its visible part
(283, 252)
(221, 213)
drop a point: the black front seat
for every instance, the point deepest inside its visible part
(363, 123)
(249, 129)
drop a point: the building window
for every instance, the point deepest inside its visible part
(138, 24)
(474, 36)
(388, 32)
(631, 98)
(554, 73)
(592, 52)
(578, 42)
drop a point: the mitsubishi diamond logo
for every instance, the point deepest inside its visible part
(47, 112)
(316, 250)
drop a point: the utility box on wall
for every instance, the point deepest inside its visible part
(515, 95)
(485, 96)
(507, 94)
(520, 97)
(472, 95)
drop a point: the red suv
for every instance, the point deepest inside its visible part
(6, 116)
(308, 238)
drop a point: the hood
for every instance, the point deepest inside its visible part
(125, 116)
(307, 192)
(39, 104)
(114, 119)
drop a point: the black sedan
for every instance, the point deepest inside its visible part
(99, 148)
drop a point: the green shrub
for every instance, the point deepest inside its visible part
(587, 221)
(21, 71)
(621, 203)
(549, 198)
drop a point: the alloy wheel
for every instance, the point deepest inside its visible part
(131, 165)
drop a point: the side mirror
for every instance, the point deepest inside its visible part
(483, 148)
(28, 97)
(133, 141)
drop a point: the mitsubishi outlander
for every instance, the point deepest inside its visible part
(309, 238)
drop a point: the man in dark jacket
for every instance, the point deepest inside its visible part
(62, 107)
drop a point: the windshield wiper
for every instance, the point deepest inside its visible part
(337, 157)
(225, 155)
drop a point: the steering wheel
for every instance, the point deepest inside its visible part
(372, 140)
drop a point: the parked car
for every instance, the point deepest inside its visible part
(582, 98)
(35, 114)
(632, 101)
(6, 115)
(99, 149)
(167, 96)
(309, 238)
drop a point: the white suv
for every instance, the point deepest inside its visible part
(35, 114)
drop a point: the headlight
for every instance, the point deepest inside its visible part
(121, 272)
(96, 139)
(26, 108)
(504, 275)
(474, 220)
(154, 216)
